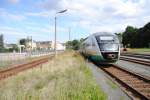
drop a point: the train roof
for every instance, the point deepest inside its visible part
(102, 33)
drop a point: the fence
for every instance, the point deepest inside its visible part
(8, 59)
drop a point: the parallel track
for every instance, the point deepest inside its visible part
(143, 56)
(134, 60)
(19, 68)
(138, 85)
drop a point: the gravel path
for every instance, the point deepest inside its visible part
(111, 89)
(138, 68)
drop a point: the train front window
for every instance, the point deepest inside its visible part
(108, 43)
(109, 46)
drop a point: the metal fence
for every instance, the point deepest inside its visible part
(8, 59)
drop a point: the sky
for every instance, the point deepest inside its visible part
(22, 18)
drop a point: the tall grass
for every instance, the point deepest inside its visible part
(63, 78)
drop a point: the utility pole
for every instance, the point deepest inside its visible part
(31, 43)
(55, 47)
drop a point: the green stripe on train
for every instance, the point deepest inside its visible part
(96, 57)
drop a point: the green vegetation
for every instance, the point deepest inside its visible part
(75, 44)
(14, 48)
(139, 50)
(22, 41)
(63, 78)
(136, 38)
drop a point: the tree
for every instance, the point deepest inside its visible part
(68, 45)
(144, 36)
(137, 38)
(75, 44)
(129, 36)
(23, 42)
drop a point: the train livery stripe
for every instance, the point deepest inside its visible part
(96, 57)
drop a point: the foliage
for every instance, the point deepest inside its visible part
(22, 42)
(14, 48)
(136, 38)
(3, 49)
(129, 36)
(75, 44)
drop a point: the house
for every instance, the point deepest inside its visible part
(44, 45)
(59, 46)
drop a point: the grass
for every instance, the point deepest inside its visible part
(63, 78)
(139, 50)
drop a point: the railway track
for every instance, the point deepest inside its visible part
(143, 56)
(135, 60)
(138, 87)
(19, 68)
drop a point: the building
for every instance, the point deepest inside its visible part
(28, 43)
(1, 41)
(59, 46)
(44, 45)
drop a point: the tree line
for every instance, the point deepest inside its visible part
(136, 38)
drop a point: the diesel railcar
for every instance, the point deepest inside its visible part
(102, 47)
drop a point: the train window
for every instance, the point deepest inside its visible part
(103, 38)
(107, 38)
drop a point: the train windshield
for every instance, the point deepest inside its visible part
(108, 43)
(109, 46)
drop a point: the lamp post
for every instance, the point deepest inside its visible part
(69, 34)
(55, 46)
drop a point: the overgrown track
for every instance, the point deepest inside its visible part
(136, 84)
(143, 62)
(14, 70)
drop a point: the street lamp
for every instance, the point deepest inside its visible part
(55, 47)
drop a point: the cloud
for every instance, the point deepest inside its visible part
(40, 14)
(11, 16)
(13, 1)
(37, 32)
(109, 15)
(11, 31)
(49, 4)
(82, 16)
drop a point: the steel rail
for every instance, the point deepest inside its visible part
(137, 84)
(134, 60)
(19, 68)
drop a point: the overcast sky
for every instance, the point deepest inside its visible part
(22, 18)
